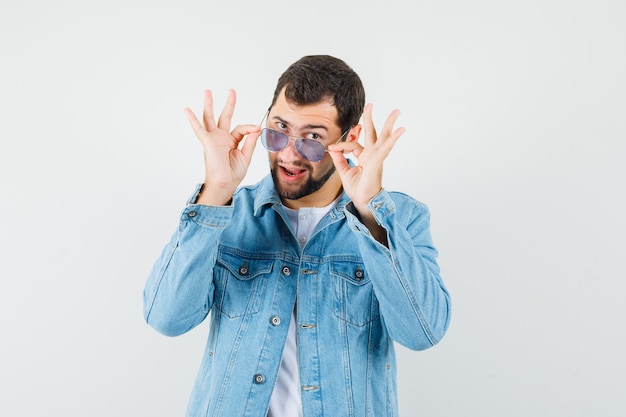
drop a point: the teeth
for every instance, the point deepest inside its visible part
(292, 173)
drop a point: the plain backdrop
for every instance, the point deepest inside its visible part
(515, 117)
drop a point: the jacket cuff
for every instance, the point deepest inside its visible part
(381, 206)
(194, 197)
(210, 216)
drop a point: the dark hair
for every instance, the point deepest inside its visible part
(315, 78)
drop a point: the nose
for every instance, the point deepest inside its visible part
(289, 153)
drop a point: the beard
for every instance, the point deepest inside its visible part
(309, 187)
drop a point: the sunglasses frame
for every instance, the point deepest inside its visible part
(298, 141)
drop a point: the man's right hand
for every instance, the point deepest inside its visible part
(225, 164)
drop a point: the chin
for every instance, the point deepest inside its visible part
(297, 191)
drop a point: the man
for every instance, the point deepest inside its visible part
(309, 275)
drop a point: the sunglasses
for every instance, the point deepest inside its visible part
(311, 149)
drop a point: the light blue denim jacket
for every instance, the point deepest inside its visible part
(354, 297)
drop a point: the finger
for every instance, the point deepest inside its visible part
(387, 129)
(208, 118)
(385, 146)
(347, 147)
(229, 108)
(194, 122)
(248, 146)
(240, 131)
(368, 125)
(340, 162)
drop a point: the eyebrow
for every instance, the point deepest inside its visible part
(306, 127)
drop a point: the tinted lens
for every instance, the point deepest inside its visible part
(273, 140)
(311, 149)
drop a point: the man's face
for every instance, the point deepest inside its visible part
(298, 181)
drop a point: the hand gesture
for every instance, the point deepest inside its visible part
(362, 182)
(225, 163)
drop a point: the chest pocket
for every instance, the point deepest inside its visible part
(355, 302)
(240, 284)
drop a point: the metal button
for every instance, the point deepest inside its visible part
(259, 379)
(358, 274)
(275, 320)
(192, 213)
(243, 270)
(286, 270)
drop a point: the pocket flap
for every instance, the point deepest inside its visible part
(244, 268)
(351, 271)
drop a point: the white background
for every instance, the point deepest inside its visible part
(516, 129)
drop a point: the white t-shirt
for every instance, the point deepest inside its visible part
(286, 398)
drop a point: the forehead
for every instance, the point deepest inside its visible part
(322, 114)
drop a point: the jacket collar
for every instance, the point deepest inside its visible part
(268, 197)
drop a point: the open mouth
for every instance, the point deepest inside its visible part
(292, 172)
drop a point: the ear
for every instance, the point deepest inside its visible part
(354, 133)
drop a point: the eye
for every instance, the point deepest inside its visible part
(313, 136)
(281, 126)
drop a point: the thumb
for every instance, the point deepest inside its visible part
(340, 162)
(248, 146)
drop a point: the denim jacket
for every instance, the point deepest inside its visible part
(243, 265)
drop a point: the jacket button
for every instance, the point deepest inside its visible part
(358, 274)
(259, 379)
(286, 270)
(243, 270)
(192, 213)
(275, 321)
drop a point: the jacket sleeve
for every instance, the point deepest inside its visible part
(179, 291)
(414, 303)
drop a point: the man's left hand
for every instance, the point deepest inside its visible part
(363, 181)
